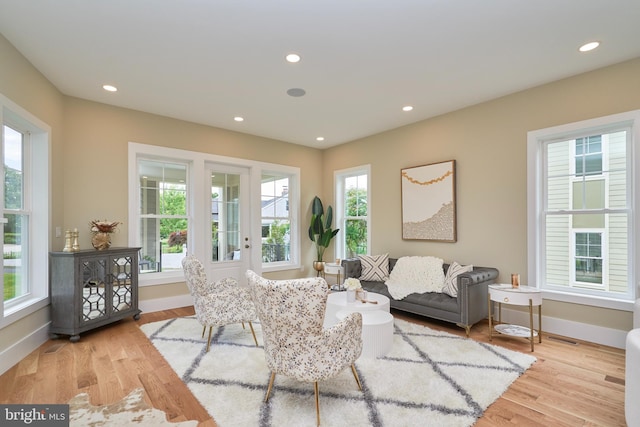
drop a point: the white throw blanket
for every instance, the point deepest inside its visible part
(415, 274)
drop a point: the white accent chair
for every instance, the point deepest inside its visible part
(217, 303)
(291, 313)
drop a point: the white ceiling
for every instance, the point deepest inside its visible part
(207, 61)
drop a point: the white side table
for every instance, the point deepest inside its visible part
(523, 296)
(333, 269)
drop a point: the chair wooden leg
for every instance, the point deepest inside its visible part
(204, 328)
(315, 389)
(253, 333)
(242, 325)
(273, 377)
(209, 340)
(355, 375)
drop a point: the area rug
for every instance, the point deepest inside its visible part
(132, 410)
(429, 378)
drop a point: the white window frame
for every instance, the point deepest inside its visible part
(199, 212)
(339, 178)
(536, 141)
(37, 191)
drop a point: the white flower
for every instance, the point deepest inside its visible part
(352, 284)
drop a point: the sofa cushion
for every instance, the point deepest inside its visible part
(451, 278)
(374, 267)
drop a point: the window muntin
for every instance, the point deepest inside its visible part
(352, 212)
(163, 215)
(582, 190)
(275, 218)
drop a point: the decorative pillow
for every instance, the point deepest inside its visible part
(375, 268)
(451, 279)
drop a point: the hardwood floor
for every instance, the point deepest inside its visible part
(571, 384)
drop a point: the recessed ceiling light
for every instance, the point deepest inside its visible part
(296, 92)
(320, 138)
(238, 119)
(293, 58)
(589, 46)
(110, 88)
(407, 108)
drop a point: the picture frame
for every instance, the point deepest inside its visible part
(429, 202)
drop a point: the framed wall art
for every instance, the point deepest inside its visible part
(429, 202)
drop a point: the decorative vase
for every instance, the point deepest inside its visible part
(351, 296)
(318, 266)
(101, 240)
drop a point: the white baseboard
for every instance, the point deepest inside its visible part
(22, 348)
(567, 328)
(159, 304)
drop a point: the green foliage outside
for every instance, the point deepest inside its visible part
(356, 229)
(9, 286)
(277, 233)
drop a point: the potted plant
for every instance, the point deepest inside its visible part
(320, 231)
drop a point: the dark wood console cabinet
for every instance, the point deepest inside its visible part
(91, 288)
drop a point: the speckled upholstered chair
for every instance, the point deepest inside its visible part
(217, 303)
(291, 313)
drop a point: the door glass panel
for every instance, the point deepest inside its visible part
(121, 272)
(225, 217)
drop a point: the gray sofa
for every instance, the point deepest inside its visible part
(468, 308)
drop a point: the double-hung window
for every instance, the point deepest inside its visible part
(353, 212)
(583, 210)
(24, 202)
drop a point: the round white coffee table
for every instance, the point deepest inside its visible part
(377, 332)
(338, 301)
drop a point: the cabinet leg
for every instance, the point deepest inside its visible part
(136, 316)
(74, 338)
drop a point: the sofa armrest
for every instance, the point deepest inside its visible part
(473, 291)
(352, 268)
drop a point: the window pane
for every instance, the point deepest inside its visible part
(225, 216)
(16, 283)
(13, 168)
(356, 237)
(163, 222)
(275, 217)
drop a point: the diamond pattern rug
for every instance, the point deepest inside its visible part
(429, 378)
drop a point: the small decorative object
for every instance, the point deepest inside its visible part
(361, 295)
(429, 202)
(515, 280)
(75, 245)
(352, 285)
(68, 245)
(102, 230)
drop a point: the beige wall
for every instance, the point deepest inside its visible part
(488, 142)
